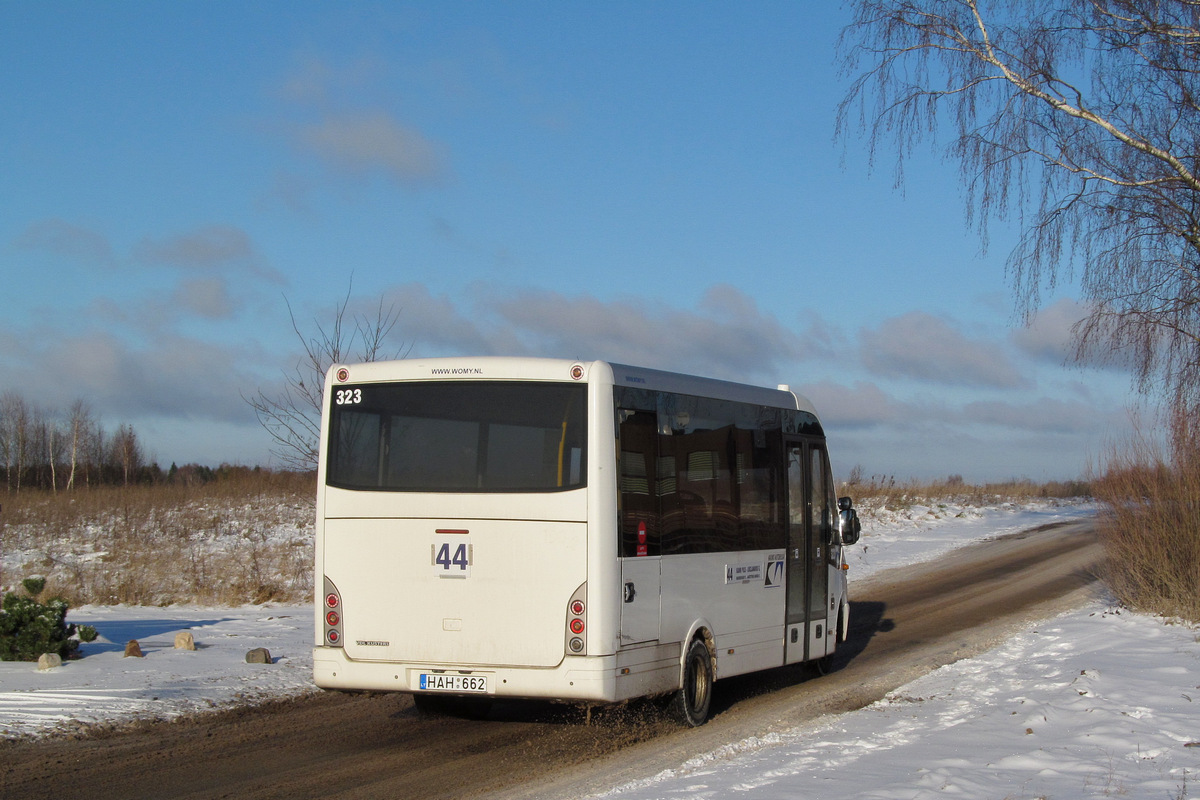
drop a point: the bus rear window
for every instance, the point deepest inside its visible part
(460, 436)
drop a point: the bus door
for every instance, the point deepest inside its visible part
(809, 526)
(641, 607)
(641, 574)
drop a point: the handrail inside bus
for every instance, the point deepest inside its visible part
(562, 446)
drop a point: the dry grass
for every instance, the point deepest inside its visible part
(1151, 523)
(886, 493)
(229, 542)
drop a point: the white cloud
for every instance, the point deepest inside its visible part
(1048, 336)
(1043, 414)
(367, 142)
(172, 376)
(205, 297)
(726, 336)
(207, 248)
(923, 347)
(131, 369)
(435, 325)
(859, 406)
(67, 240)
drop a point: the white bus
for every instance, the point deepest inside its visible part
(576, 531)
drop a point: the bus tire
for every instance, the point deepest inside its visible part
(691, 702)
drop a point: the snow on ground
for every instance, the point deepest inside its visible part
(918, 533)
(1097, 702)
(1094, 703)
(105, 687)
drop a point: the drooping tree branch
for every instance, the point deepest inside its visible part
(293, 415)
(1082, 120)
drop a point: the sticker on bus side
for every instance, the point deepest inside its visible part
(451, 554)
(751, 572)
(775, 570)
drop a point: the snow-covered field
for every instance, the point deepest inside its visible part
(1098, 702)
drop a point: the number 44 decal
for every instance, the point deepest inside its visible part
(451, 554)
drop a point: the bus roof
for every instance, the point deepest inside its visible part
(501, 367)
(625, 375)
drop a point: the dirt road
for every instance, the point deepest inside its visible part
(904, 623)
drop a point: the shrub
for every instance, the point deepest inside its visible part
(242, 539)
(1151, 523)
(29, 628)
(885, 492)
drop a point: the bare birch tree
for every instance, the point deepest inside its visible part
(53, 447)
(126, 453)
(14, 437)
(293, 415)
(1081, 120)
(79, 428)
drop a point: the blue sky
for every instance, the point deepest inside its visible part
(652, 183)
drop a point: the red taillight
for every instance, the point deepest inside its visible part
(577, 621)
(333, 616)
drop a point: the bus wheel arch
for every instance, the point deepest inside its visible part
(691, 703)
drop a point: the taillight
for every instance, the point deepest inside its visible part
(577, 621)
(333, 615)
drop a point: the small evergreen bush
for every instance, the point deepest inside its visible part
(29, 628)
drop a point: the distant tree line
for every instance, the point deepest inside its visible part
(42, 449)
(49, 450)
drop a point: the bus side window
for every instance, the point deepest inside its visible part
(639, 481)
(822, 498)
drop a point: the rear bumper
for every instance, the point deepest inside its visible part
(576, 678)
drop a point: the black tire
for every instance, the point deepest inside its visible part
(691, 702)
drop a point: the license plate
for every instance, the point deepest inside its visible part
(435, 682)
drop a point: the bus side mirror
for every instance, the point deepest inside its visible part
(851, 528)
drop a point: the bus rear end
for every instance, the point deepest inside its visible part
(452, 543)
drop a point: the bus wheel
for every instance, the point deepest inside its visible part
(823, 665)
(690, 704)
